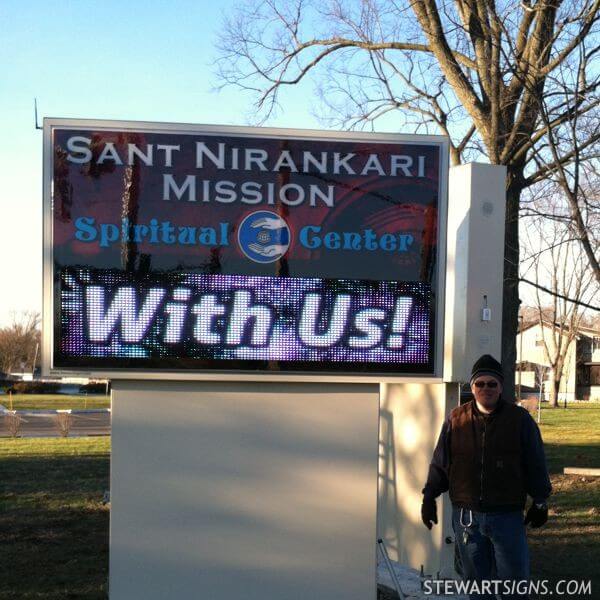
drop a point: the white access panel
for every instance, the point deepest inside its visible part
(245, 490)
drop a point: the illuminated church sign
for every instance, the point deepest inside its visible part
(234, 249)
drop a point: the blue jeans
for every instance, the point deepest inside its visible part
(491, 546)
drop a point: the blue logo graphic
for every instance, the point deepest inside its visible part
(264, 236)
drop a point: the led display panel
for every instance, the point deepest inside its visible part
(241, 249)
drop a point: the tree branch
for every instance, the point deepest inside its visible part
(558, 295)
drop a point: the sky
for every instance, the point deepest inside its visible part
(146, 61)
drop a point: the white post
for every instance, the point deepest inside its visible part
(475, 271)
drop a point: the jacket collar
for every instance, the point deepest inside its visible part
(477, 412)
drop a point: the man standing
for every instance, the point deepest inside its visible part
(489, 456)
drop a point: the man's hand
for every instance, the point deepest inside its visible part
(429, 512)
(537, 515)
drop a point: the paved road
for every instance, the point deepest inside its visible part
(45, 425)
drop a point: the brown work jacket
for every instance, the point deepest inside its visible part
(486, 470)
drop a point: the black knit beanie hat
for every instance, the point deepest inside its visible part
(487, 365)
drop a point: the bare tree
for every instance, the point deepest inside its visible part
(18, 342)
(13, 423)
(570, 166)
(473, 70)
(63, 421)
(562, 268)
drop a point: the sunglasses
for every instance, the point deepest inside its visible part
(482, 384)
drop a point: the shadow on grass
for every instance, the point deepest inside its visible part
(53, 527)
(568, 546)
(560, 456)
(557, 551)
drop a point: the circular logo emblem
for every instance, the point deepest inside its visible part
(264, 236)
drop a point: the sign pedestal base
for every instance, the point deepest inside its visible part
(258, 491)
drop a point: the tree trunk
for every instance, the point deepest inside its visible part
(555, 392)
(510, 303)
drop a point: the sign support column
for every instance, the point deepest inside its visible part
(243, 490)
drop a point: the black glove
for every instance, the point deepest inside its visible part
(429, 512)
(537, 515)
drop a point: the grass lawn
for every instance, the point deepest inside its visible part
(569, 545)
(53, 526)
(54, 401)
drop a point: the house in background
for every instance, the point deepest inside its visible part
(588, 364)
(581, 372)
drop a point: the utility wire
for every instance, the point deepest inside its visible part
(541, 287)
